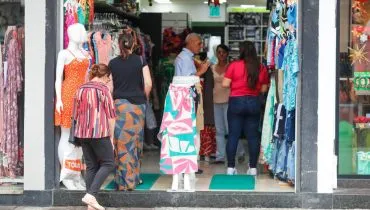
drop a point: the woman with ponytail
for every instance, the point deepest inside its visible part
(247, 79)
(131, 87)
(95, 119)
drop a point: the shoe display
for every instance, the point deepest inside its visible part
(90, 200)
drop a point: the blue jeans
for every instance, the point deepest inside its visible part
(244, 114)
(221, 124)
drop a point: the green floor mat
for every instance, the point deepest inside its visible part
(232, 182)
(148, 182)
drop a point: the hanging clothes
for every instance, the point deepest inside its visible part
(268, 123)
(178, 133)
(1, 94)
(103, 46)
(13, 86)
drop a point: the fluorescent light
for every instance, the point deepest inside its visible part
(206, 2)
(247, 6)
(163, 1)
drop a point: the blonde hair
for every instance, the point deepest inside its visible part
(99, 70)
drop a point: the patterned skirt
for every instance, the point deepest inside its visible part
(128, 142)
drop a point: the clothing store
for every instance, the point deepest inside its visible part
(294, 137)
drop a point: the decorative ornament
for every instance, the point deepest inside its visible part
(363, 38)
(358, 55)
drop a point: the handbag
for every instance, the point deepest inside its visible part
(150, 121)
(72, 139)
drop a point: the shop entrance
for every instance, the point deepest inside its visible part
(272, 30)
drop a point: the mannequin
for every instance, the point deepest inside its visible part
(180, 148)
(72, 65)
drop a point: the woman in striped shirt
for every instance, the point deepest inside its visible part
(95, 119)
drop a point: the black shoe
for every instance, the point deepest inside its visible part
(200, 171)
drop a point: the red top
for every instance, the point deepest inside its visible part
(236, 73)
(94, 108)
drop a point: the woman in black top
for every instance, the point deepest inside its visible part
(131, 87)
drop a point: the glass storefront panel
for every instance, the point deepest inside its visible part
(354, 88)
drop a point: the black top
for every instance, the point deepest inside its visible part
(128, 80)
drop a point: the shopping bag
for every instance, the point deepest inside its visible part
(72, 164)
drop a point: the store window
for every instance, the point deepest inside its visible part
(354, 88)
(11, 96)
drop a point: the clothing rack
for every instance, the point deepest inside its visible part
(101, 7)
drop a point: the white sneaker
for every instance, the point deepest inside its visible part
(252, 171)
(90, 200)
(231, 171)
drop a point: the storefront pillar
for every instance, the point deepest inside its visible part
(34, 132)
(326, 159)
(307, 100)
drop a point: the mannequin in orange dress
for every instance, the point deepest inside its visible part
(72, 65)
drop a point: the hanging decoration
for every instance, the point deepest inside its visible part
(216, 3)
(359, 13)
(363, 38)
(358, 54)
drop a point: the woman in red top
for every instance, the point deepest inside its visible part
(95, 118)
(247, 78)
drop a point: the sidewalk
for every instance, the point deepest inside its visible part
(84, 208)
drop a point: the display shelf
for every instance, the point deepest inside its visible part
(246, 27)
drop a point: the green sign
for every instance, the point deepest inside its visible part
(361, 81)
(249, 10)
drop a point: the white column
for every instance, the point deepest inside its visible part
(326, 169)
(34, 166)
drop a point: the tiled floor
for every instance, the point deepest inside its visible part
(264, 182)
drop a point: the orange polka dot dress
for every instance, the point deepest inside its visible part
(74, 76)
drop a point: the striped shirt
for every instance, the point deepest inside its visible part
(94, 107)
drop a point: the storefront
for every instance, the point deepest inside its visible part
(320, 121)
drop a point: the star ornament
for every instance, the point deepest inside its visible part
(363, 38)
(358, 54)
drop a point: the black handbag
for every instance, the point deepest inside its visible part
(72, 139)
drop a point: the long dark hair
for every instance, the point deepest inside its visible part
(126, 41)
(248, 54)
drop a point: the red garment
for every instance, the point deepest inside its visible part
(93, 110)
(236, 73)
(208, 140)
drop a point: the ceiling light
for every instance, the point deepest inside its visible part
(206, 2)
(163, 1)
(247, 6)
